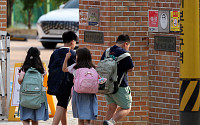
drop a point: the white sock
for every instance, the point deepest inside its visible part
(112, 121)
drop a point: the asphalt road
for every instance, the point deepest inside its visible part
(18, 51)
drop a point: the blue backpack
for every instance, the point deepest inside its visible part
(32, 92)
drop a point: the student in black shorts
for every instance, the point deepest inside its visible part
(69, 39)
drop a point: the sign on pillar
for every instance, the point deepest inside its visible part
(174, 20)
(153, 20)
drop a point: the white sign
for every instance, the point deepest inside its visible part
(163, 23)
(163, 20)
(16, 89)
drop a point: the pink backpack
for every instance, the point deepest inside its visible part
(86, 80)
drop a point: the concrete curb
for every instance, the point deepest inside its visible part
(22, 37)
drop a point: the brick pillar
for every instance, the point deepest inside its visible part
(164, 75)
(155, 81)
(3, 15)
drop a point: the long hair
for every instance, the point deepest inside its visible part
(84, 59)
(33, 60)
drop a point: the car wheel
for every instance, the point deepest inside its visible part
(49, 45)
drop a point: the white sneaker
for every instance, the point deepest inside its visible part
(107, 123)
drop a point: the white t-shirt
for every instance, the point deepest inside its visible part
(71, 69)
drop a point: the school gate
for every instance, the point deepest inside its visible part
(4, 62)
(155, 81)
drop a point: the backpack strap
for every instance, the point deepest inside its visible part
(124, 75)
(121, 79)
(107, 53)
(44, 97)
(123, 56)
(119, 59)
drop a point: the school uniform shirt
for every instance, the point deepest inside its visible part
(123, 66)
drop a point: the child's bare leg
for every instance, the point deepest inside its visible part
(26, 122)
(34, 122)
(80, 122)
(88, 122)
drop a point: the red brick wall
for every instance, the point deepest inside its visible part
(154, 82)
(3, 15)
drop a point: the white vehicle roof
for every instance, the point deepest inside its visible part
(61, 15)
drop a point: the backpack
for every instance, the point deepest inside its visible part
(86, 80)
(57, 78)
(107, 68)
(32, 92)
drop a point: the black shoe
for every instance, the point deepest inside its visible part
(107, 123)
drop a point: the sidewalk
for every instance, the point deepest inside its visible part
(71, 121)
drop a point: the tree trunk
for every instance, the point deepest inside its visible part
(9, 12)
(29, 18)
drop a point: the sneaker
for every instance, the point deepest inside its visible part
(107, 123)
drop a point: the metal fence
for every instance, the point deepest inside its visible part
(4, 74)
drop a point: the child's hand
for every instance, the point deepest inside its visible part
(45, 72)
(21, 73)
(21, 77)
(68, 55)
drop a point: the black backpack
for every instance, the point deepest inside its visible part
(58, 81)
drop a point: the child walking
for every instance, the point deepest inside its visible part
(63, 95)
(84, 106)
(26, 114)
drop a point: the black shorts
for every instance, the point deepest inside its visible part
(63, 100)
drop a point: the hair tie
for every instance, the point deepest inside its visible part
(31, 57)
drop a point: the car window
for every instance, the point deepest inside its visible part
(72, 4)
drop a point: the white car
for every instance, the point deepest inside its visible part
(52, 25)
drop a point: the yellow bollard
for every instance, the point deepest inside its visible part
(49, 97)
(189, 63)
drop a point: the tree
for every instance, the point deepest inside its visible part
(28, 6)
(57, 3)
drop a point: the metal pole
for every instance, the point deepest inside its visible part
(8, 71)
(189, 63)
(3, 63)
(3, 68)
